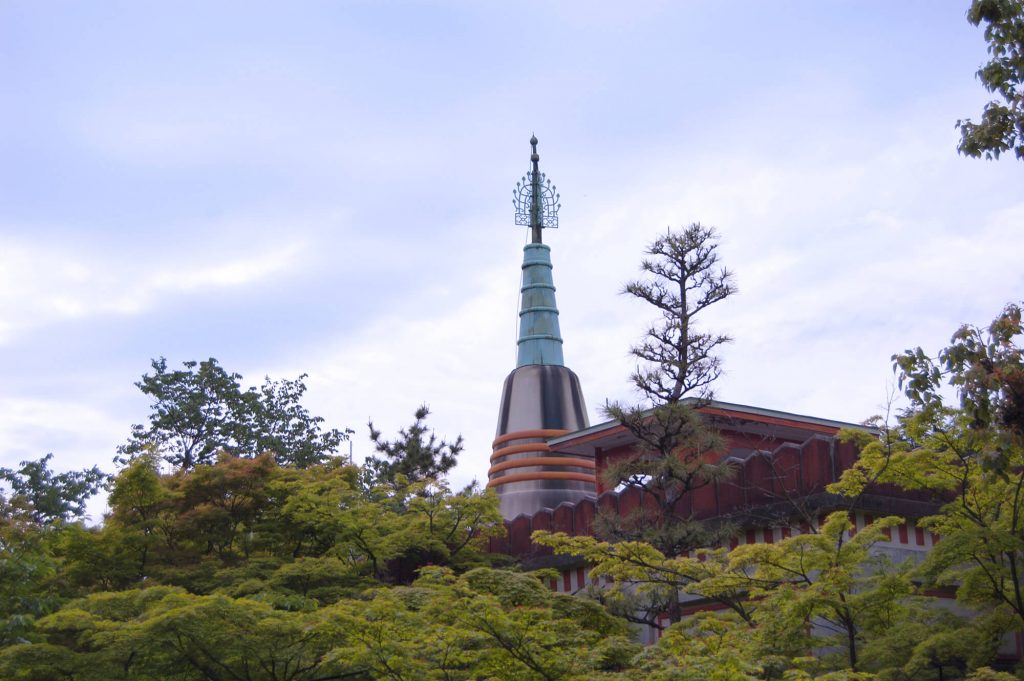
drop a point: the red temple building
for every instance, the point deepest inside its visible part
(783, 463)
(547, 460)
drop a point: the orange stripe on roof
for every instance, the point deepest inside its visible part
(553, 475)
(539, 447)
(542, 461)
(524, 434)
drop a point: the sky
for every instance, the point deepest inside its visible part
(324, 188)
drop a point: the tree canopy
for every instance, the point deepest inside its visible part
(50, 496)
(1001, 127)
(202, 409)
(963, 437)
(416, 454)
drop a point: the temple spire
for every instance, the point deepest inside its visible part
(541, 398)
(536, 202)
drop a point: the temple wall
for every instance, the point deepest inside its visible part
(763, 496)
(774, 494)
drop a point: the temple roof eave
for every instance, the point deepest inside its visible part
(612, 434)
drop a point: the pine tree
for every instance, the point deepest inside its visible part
(417, 453)
(677, 364)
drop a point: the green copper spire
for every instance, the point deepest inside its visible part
(536, 202)
(541, 397)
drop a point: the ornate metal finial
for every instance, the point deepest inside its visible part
(536, 200)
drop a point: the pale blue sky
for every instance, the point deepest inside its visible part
(325, 188)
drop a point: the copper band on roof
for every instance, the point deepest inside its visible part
(546, 475)
(524, 434)
(542, 461)
(539, 447)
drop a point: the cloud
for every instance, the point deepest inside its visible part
(238, 272)
(40, 284)
(64, 421)
(452, 357)
(841, 260)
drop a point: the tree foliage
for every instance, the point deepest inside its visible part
(1001, 127)
(824, 590)
(202, 409)
(27, 570)
(244, 568)
(481, 624)
(644, 585)
(50, 496)
(211, 527)
(674, 454)
(962, 437)
(684, 279)
(416, 455)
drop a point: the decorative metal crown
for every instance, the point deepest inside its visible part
(548, 196)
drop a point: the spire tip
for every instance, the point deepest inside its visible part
(535, 198)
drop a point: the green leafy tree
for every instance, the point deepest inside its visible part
(32, 524)
(1002, 122)
(283, 426)
(416, 454)
(823, 589)
(485, 624)
(221, 505)
(99, 559)
(202, 410)
(704, 647)
(50, 496)
(962, 439)
(179, 528)
(239, 520)
(950, 653)
(820, 591)
(309, 509)
(675, 451)
(441, 527)
(643, 585)
(989, 674)
(969, 450)
(166, 633)
(140, 511)
(27, 570)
